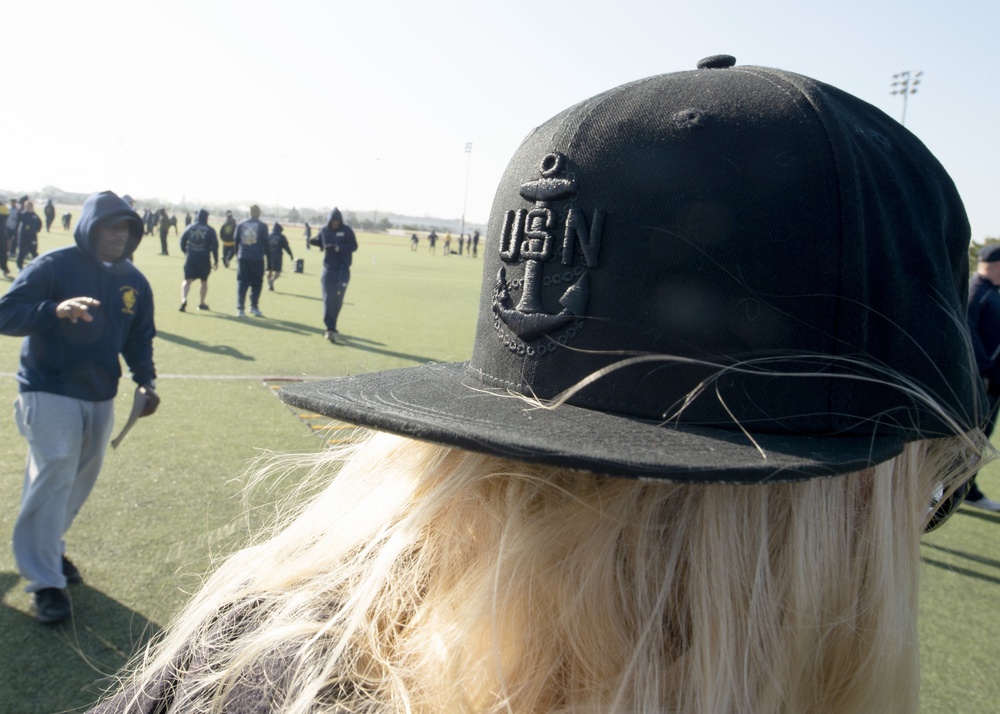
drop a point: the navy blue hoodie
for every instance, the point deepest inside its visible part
(337, 244)
(251, 239)
(81, 360)
(199, 242)
(28, 227)
(277, 242)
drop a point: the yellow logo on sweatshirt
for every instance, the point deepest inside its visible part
(129, 297)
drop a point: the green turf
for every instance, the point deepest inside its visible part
(171, 497)
(960, 594)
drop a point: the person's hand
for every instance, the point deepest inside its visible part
(77, 308)
(152, 400)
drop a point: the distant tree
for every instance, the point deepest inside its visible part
(384, 224)
(364, 223)
(293, 216)
(314, 216)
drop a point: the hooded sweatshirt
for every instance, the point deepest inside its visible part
(28, 227)
(251, 239)
(337, 243)
(199, 242)
(277, 242)
(80, 360)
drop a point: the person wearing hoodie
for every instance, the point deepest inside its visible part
(78, 307)
(164, 224)
(15, 209)
(29, 225)
(250, 241)
(226, 238)
(338, 243)
(276, 243)
(4, 212)
(50, 215)
(200, 247)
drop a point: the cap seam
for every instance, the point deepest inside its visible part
(784, 81)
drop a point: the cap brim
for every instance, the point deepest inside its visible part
(443, 403)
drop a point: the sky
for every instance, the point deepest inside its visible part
(369, 104)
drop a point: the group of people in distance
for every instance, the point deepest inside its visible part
(259, 255)
(469, 241)
(257, 251)
(19, 229)
(708, 415)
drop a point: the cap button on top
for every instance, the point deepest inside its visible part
(717, 62)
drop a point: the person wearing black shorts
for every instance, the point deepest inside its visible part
(276, 244)
(200, 246)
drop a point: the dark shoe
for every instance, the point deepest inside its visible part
(52, 605)
(203, 306)
(183, 306)
(71, 572)
(984, 503)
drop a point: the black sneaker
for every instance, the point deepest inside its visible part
(183, 306)
(52, 605)
(71, 572)
(203, 306)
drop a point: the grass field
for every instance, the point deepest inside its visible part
(172, 497)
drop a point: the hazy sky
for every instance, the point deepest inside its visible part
(368, 104)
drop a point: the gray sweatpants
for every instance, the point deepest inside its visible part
(67, 439)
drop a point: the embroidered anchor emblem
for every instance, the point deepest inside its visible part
(530, 236)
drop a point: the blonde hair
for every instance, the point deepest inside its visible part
(425, 578)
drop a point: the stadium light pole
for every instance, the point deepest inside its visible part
(378, 163)
(465, 199)
(905, 83)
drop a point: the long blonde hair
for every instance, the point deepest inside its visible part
(425, 578)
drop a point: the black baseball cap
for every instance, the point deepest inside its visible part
(990, 253)
(731, 274)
